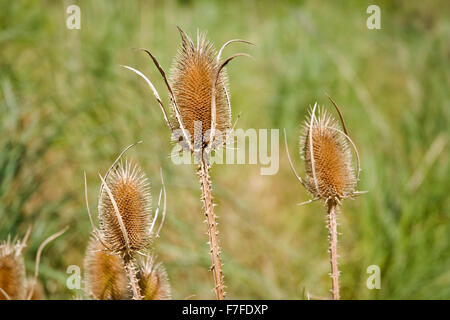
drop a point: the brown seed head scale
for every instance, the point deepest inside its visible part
(192, 75)
(12, 271)
(105, 273)
(130, 191)
(153, 280)
(329, 169)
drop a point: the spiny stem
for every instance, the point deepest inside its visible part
(333, 236)
(131, 272)
(213, 232)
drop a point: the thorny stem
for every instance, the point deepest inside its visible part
(333, 237)
(213, 232)
(131, 272)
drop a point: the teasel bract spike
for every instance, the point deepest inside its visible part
(153, 280)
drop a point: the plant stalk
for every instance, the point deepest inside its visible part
(333, 237)
(131, 272)
(213, 232)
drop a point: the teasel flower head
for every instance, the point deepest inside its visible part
(199, 95)
(327, 151)
(153, 280)
(12, 270)
(193, 73)
(105, 273)
(125, 209)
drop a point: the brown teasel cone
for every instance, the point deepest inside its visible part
(328, 163)
(198, 93)
(12, 271)
(105, 278)
(192, 75)
(153, 280)
(125, 210)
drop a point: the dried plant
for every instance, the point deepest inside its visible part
(125, 209)
(153, 280)
(126, 229)
(12, 270)
(13, 282)
(33, 282)
(105, 273)
(328, 159)
(192, 77)
(330, 175)
(201, 118)
(124, 216)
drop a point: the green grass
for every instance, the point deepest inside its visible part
(66, 106)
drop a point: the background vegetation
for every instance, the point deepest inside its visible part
(66, 106)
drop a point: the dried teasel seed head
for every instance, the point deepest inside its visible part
(105, 273)
(328, 159)
(153, 280)
(12, 271)
(127, 229)
(192, 76)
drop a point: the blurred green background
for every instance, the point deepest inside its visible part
(67, 106)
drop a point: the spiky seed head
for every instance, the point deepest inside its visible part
(192, 75)
(105, 278)
(328, 159)
(153, 280)
(131, 193)
(12, 271)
